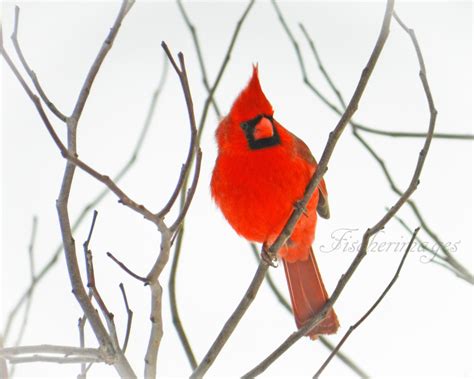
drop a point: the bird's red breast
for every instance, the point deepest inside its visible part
(257, 187)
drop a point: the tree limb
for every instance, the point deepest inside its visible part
(371, 309)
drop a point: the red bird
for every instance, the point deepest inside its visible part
(261, 171)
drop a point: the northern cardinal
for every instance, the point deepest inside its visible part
(261, 172)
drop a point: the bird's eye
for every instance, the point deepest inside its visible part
(245, 126)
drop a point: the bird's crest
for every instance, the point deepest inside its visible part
(252, 101)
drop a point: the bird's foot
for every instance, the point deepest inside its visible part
(268, 257)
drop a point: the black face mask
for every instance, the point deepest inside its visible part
(249, 129)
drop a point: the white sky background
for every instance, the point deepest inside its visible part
(424, 325)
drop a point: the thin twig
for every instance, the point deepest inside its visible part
(189, 194)
(30, 72)
(126, 269)
(268, 277)
(167, 234)
(460, 271)
(232, 322)
(193, 145)
(174, 303)
(226, 60)
(31, 247)
(328, 344)
(448, 136)
(129, 318)
(300, 58)
(435, 256)
(91, 284)
(3, 362)
(197, 46)
(449, 257)
(99, 59)
(371, 309)
(81, 323)
(360, 126)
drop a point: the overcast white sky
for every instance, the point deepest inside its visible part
(423, 327)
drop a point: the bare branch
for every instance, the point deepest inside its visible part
(268, 277)
(329, 345)
(81, 323)
(460, 271)
(189, 194)
(181, 71)
(197, 46)
(300, 58)
(435, 256)
(91, 284)
(232, 322)
(107, 342)
(336, 133)
(367, 235)
(174, 303)
(31, 257)
(341, 100)
(94, 69)
(3, 362)
(33, 98)
(452, 261)
(29, 297)
(296, 214)
(226, 60)
(371, 309)
(448, 136)
(126, 269)
(129, 318)
(49, 349)
(30, 72)
(97, 199)
(50, 359)
(156, 332)
(184, 199)
(344, 358)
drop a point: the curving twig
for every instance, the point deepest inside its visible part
(453, 264)
(30, 72)
(356, 125)
(197, 46)
(129, 318)
(371, 309)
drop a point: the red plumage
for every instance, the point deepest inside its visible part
(261, 171)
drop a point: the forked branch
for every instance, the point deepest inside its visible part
(298, 211)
